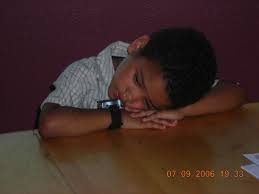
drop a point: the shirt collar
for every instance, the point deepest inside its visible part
(104, 58)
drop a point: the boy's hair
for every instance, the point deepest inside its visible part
(188, 63)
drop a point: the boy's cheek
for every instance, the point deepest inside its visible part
(137, 106)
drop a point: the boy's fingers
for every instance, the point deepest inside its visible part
(142, 113)
(168, 123)
(168, 115)
(154, 125)
(157, 115)
(151, 117)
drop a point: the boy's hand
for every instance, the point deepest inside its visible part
(137, 123)
(168, 118)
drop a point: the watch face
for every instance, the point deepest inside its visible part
(105, 104)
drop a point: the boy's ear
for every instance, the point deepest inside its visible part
(137, 44)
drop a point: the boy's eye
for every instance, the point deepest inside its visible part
(136, 80)
(146, 104)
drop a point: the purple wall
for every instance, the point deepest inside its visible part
(40, 38)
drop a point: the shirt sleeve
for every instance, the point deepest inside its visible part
(69, 89)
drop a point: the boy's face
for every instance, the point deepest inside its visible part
(138, 82)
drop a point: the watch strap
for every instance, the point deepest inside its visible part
(115, 117)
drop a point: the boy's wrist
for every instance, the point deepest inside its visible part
(129, 122)
(182, 112)
(124, 118)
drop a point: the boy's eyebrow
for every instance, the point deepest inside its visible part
(149, 102)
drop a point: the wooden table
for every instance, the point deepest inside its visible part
(202, 155)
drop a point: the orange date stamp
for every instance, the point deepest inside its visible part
(205, 173)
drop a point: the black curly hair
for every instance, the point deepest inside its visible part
(187, 61)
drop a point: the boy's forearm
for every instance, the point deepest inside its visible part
(224, 97)
(68, 121)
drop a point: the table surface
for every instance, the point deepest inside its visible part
(201, 155)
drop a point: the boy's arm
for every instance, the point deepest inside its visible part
(223, 97)
(56, 120)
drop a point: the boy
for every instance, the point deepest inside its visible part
(160, 79)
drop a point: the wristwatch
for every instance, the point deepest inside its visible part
(114, 106)
(115, 117)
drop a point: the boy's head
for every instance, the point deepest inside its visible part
(170, 68)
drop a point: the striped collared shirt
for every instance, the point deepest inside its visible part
(86, 81)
